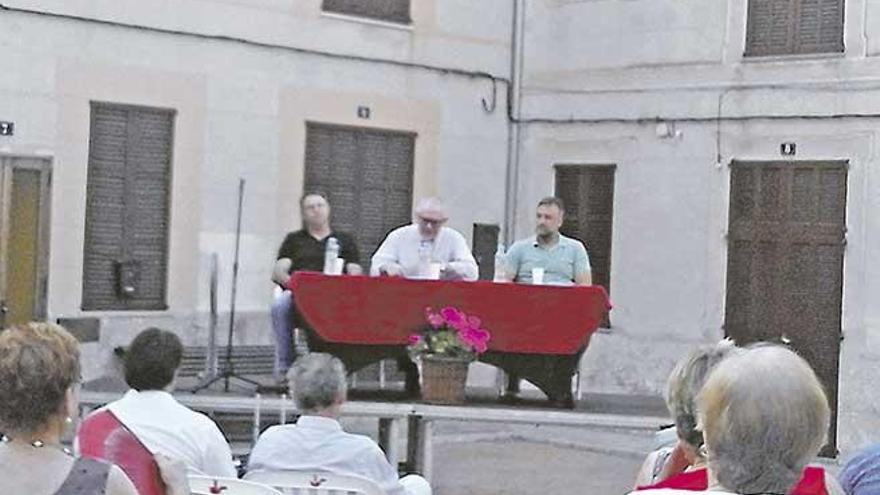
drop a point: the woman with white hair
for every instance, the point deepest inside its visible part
(682, 387)
(317, 442)
(764, 416)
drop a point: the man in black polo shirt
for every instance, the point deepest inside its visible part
(304, 250)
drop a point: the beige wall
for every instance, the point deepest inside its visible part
(78, 83)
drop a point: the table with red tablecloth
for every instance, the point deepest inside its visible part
(538, 332)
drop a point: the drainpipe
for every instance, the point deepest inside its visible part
(513, 126)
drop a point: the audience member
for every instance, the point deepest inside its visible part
(157, 419)
(317, 441)
(764, 415)
(861, 474)
(39, 380)
(682, 387)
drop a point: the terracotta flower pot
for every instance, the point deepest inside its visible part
(444, 379)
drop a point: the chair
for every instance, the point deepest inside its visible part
(211, 485)
(102, 436)
(315, 482)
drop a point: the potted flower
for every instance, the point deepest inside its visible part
(445, 348)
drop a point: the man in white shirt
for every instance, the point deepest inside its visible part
(162, 424)
(317, 442)
(408, 250)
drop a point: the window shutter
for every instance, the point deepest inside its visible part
(383, 10)
(820, 26)
(127, 206)
(770, 27)
(789, 27)
(367, 175)
(588, 194)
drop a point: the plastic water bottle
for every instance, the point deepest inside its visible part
(424, 259)
(500, 266)
(331, 252)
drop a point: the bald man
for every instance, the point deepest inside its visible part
(405, 250)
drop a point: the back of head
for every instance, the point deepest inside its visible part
(39, 362)
(317, 381)
(685, 382)
(152, 359)
(764, 416)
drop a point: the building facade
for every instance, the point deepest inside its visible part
(717, 156)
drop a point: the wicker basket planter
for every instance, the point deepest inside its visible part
(443, 379)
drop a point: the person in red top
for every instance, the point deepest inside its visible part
(812, 482)
(764, 415)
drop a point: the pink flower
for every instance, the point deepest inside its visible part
(454, 317)
(474, 322)
(476, 338)
(415, 339)
(435, 320)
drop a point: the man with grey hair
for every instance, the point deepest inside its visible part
(409, 250)
(317, 442)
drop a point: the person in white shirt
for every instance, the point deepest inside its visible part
(154, 416)
(408, 250)
(317, 441)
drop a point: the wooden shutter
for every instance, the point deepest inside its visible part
(384, 10)
(588, 193)
(790, 27)
(127, 206)
(368, 176)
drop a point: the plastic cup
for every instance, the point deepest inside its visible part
(339, 266)
(434, 270)
(537, 276)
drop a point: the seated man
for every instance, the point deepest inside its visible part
(304, 250)
(162, 424)
(564, 261)
(317, 442)
(408, 250)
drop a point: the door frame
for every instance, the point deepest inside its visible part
(42, 164)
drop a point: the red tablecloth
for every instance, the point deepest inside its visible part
(386, 311)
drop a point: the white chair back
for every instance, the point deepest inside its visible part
(315, 483)
(210, 485)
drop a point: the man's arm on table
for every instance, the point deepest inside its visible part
(582, 273)
(462, 264)
(511, 263)
(351, 254)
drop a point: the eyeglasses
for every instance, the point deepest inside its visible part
(431, 222)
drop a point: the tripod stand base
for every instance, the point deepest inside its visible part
(225, 375)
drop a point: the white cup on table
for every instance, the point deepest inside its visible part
(338, 266)
(537, 276)
(434, 270)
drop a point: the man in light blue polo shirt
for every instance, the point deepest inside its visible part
(563, 259)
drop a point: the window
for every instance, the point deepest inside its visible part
(367, 175)
(382, 10)
(588, 194)
(792, 27)
(125, 257)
